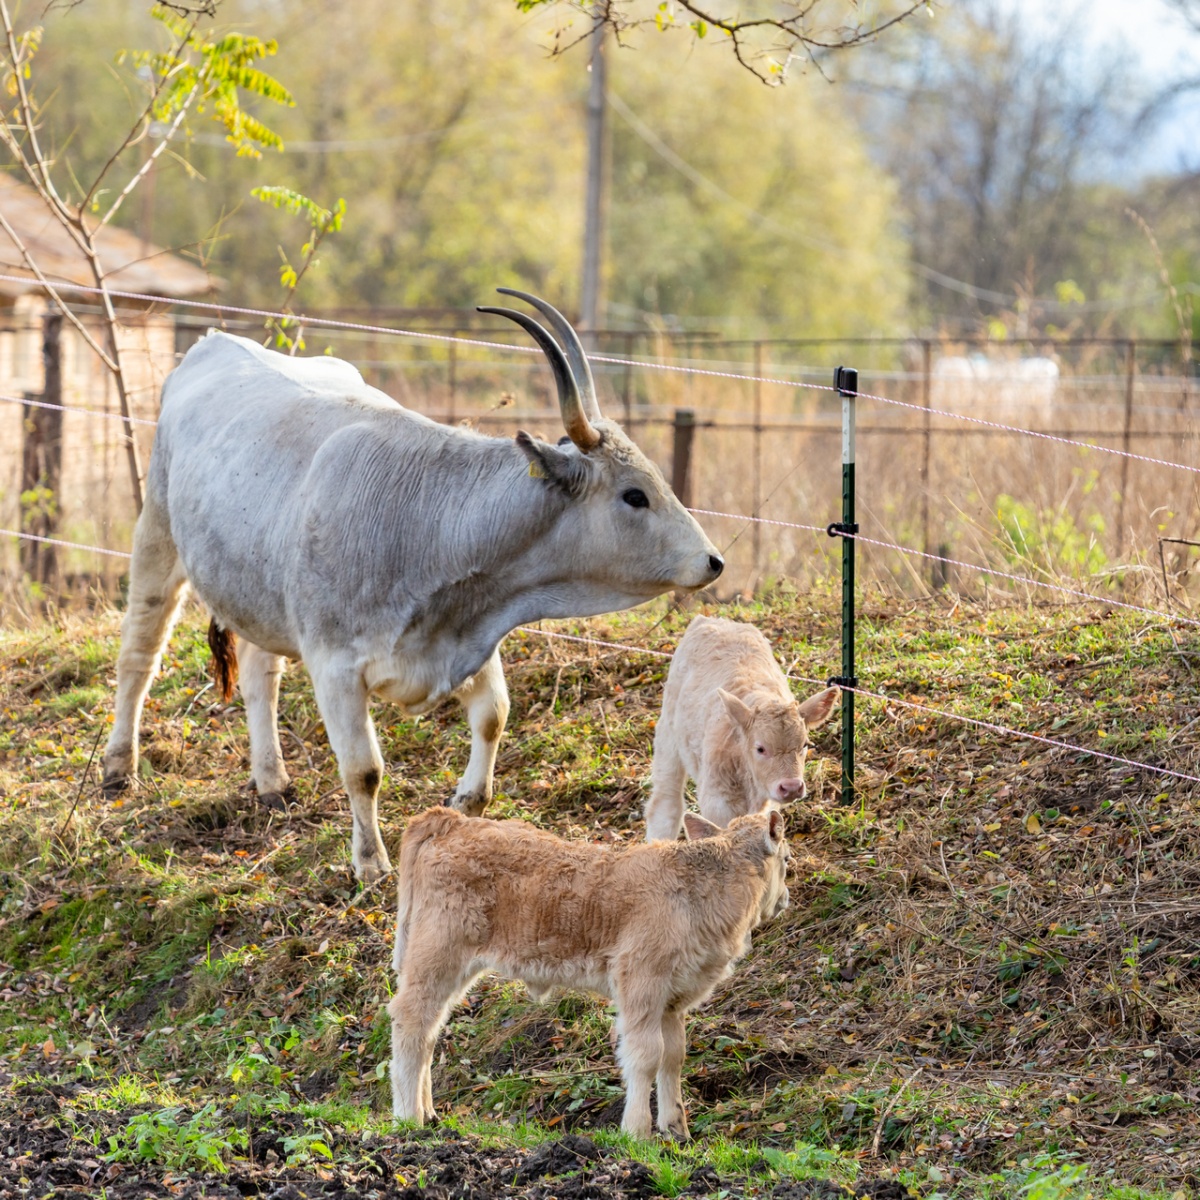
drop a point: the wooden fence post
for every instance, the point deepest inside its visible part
(1130, 369)
(756, 532)
(681, 455)
(926, 447)
(41, 462)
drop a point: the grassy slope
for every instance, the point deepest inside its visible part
(991, 957)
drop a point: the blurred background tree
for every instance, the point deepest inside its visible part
(959, 172)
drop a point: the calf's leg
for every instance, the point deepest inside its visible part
(261, 672)
(342, 698)
(418, 1011)
(672, 1118)
(156, 589)
(664, 809)
(486, 700)
(639, 1053)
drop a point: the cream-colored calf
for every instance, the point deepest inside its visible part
(653, 927)
(730, 722)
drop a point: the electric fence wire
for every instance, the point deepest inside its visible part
(879, 696)
(334, 323)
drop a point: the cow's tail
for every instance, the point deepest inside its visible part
(430, 825)
(224, 665)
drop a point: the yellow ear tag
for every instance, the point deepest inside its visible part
(535, 470)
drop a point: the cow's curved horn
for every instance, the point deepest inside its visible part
(578, 427)
(580, 367)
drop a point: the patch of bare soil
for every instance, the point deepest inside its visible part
(50, 1148)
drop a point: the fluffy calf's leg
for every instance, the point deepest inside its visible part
(342, 699)
(639, 1053)
(260, 676)
(672, 1118)
(664, 809)
(418, 1011)
(156, 588)
(486, 702)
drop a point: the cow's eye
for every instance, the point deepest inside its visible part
(761, 749)
(635, 498)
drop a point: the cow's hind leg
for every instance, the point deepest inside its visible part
(343, 701)
(486, 700)
(261, 672)
(156, 588)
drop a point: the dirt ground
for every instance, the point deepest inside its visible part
(38, 1158)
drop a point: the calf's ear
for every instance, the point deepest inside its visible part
(816, 710)
(739, 710)
(557, 465)
(775, 831)
(698, 827)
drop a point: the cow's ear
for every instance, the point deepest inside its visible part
(816, 710)
(698, 827)
(563, 467)
(738, 709)
(775, 830)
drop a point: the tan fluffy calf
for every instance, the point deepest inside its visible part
(653, 927)
(730, 722)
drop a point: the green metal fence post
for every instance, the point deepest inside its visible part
(845, 379)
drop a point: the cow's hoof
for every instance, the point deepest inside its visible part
(470, 804)
(276, 801)
(373, 870)
(114, 784)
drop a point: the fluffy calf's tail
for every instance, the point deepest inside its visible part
(431, 824)
(223, 645)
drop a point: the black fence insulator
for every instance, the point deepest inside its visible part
(845, 379)
(840, 528)
(842, 681)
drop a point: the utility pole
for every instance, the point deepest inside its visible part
(593, 236)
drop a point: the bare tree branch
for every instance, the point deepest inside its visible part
(798, 32)
(152, 158)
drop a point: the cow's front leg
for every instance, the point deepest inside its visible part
(259, 681)
(343, 700)
(486, 700)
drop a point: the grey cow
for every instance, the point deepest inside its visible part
(319, 520)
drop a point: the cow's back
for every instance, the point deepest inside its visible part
(232, 464)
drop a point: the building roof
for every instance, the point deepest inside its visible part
(132, 264)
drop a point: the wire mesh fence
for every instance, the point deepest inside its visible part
(742, 428)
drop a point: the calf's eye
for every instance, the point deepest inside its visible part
(635, 498)
(761, 749)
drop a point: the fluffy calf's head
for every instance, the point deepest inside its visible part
(774, 739)
(760, 836)
(631, 534)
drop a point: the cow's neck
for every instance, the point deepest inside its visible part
(515, 559)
